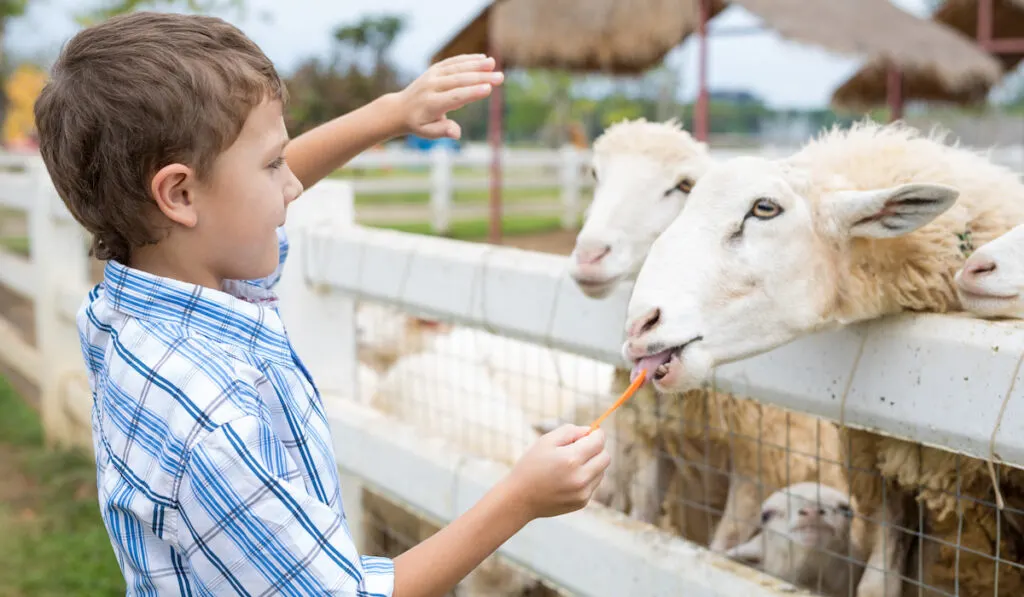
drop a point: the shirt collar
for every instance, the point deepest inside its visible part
(242, 314)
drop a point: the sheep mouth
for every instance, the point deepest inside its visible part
(977, 295)
(811, 534)
(660, 364)
(592, 286)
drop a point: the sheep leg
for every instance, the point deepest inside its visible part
(883, 572)
(649, 484)
(740, 517)
(614, 489)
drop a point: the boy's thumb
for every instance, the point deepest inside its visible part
(567, 434)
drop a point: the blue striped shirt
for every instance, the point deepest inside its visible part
(215, 466)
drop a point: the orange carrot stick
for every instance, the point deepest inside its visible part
(633, 387)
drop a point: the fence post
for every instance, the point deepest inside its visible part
(440, 189)
(57, 247)
(321, 324)
(570, 163)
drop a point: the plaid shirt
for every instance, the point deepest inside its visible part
(215, 467)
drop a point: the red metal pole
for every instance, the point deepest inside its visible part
(1005, 46)
(985, 10)
(894, 91)
(494, 129)
(700, 117)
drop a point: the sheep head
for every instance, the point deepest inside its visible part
(756, 259)
(805, 531)
(991, 280)
(643, 173)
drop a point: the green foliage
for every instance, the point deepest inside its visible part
(323, 89)
(109, 8)
(12, 8)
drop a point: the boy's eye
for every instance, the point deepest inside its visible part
(276, 163)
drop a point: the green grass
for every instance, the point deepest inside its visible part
(514, 195)
(477, 229)
(53, 540)
(15, 244)
(481, 196)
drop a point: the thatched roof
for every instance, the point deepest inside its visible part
(610, 36)
(630, 36)
(867, 87)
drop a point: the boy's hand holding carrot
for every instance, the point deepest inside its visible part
(559, 473)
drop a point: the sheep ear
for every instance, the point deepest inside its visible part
(751, 552)
(889, 212)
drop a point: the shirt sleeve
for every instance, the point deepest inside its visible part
(282, 254)
(248, 526)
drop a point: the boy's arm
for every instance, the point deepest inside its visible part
(246, 523)
(418, 109)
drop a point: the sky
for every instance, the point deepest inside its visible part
(783, 73)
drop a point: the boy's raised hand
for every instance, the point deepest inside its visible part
(446, 86)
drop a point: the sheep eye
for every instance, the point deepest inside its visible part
(766, 516)
(684, 186)
(765, 209)
(593, 172)
(845, 510)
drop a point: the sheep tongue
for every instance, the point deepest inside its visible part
(651, 364)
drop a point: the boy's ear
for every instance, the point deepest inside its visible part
(172, 189)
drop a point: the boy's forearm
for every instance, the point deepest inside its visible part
(318, 152)
(433, 567)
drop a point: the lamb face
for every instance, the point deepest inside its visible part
(992, 279)
(753, 261)
(385, 333)
(643, 173)
(804, 538)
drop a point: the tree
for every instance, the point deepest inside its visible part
(109, 8)
(376, 33)
(357, 71)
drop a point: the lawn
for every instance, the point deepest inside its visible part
(513, 195)
(476, 230)
(469, 197)
(15, 244)
(53, 540)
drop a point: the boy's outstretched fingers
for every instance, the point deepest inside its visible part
(450, 65)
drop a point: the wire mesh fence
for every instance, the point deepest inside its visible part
(833, 510)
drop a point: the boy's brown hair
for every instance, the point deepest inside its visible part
(134, 94)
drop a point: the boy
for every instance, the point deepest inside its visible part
(164, 136)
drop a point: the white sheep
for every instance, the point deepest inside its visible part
(991, 281)
(459, 403)
(857, 225)
(546, 382)
(804, 539)
(385, 333)
(644, 172)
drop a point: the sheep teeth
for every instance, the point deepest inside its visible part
(661, 371)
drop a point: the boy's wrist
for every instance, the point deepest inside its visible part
(514, 501)
(393, 114)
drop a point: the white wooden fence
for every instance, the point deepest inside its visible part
(541, 170)
(944, 377)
